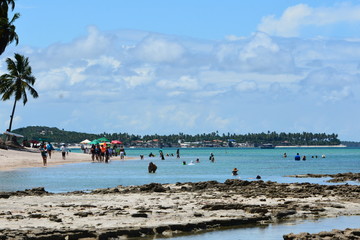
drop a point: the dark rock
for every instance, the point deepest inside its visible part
(153, 187)
(161, 229)
(83, 214)
(260, 210)
(16, 217)
(237, 182)
(4, 195)
(285, 213)
(139, 215)
(36, 215)
(198, 215)
(334, 234)
(55, 219)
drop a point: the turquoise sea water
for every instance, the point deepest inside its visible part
(268, 163)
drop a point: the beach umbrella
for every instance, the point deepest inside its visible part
(103, 139)
(86, 141)
(94, 142)
(116, 142)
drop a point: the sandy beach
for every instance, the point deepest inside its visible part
(30, 157)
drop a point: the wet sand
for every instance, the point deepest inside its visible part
(29, 157)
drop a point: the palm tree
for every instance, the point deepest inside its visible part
(7, 28)
(4, 6)
(17, 82)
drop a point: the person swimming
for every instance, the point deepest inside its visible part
(235, 172)
(152, 167)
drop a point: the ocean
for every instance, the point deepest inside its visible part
(268, 163)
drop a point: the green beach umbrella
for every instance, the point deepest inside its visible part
(94, 142)
(103, 139)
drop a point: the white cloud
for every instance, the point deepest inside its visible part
(259, 43)
(184, 82)
(217, 122)
(296, 18)
(140, 76)
(158, 49)
(150, 83)
(246, 86)
(336, 95)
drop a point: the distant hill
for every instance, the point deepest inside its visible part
(53, 134)
(213, 139)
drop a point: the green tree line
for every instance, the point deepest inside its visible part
(304, 138)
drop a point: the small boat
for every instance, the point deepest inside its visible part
(267, 146)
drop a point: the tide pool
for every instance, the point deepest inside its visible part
(276, 231)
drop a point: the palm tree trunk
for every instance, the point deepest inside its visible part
(12, 116)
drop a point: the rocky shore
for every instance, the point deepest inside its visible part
(167, 209)
(336, 178)
(334, 234)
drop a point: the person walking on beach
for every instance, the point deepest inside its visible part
(43, 154)
(92, 152)
(98, 153)
(107, 154)
(122, 153)
(63, 150)
(102, 152)
(49, 148)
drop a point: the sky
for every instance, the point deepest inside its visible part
(183, 66)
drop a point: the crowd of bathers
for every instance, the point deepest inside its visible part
(298, 157)
(103, 152)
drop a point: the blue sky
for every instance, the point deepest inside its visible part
(166, 67)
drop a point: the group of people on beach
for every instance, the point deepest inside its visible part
(103, 152)
(47, 149)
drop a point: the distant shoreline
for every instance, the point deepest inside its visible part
(313, 146)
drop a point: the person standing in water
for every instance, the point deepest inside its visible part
(212, 157)
(178, 153)
(152, 167)
(161, 154)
